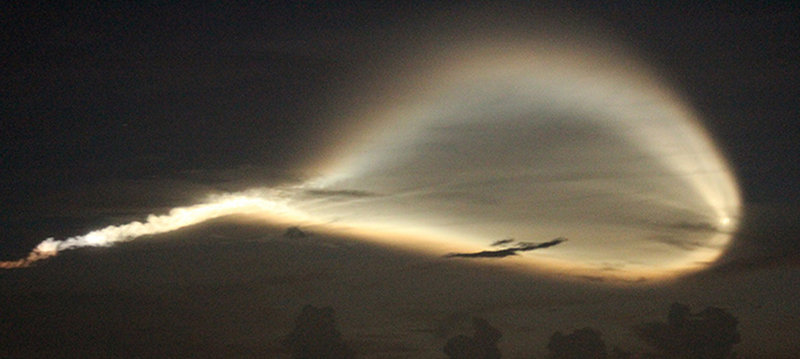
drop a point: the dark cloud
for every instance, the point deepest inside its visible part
(345, 193)
(527, 246)
(482, 345)
(500, 253)
(486, 254)
(502, 242)
(294, 232)
(315, 335)
(711, 333)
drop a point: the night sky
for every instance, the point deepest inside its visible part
(432, 149)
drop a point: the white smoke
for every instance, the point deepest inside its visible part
(253, 201)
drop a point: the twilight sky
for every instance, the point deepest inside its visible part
(656, 139)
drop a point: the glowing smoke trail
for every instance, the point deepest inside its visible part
(528, 139)
(254, 201)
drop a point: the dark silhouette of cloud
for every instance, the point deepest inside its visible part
(294, 232)
(485, 254)
(315, 336)
(482, 345)
(709, 334)
(500, 253)
(582, 343)
(527, 246)
(502, 242)
(346, 193)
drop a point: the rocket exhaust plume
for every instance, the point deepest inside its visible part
(44, 250)
(531, 135)
(254, 201)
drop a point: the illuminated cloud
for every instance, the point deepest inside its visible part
(536, 138)
(530, 138)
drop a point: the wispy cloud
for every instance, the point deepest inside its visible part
(344, 193)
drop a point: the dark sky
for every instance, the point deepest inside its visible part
(110, 112)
